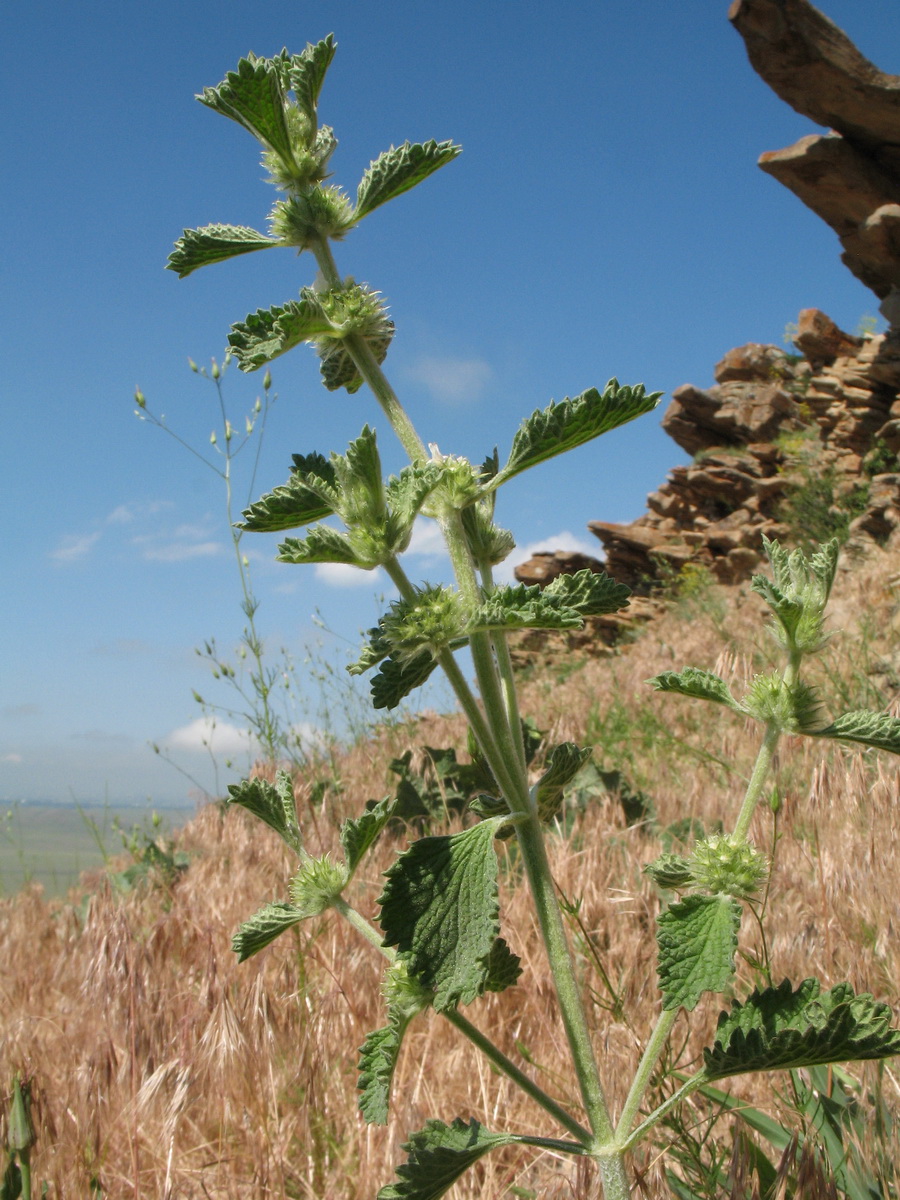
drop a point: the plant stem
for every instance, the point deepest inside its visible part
(468, 1030)
(757, 781)
(368, 366)
(649, 1059)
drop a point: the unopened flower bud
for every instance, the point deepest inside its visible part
(139, 398)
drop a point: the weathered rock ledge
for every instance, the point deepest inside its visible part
(772, 423)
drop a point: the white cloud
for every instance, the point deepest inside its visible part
(206, 733)
(74, 546)
(343, 576)
(124, 514)
(452, 380)
(11, 758)
(427, 539)
(180, 551)
(564, 540)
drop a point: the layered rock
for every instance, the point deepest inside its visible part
(771, 422)
(849, 176)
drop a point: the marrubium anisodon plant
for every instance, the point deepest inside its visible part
(438, 923)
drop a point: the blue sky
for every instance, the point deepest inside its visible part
(606, 218)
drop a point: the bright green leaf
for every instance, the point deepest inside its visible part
(701, 685)
(563, 765)
(358, 834)
(398, 170)
(321, 545)
(592, 593)
(697, 940)
(780, 1028)
(304, 73)
(272, 803)
(503, 967)
(377, 1062)
(214, 243)
(440, 909)
(269, 332)
(519, 606)
(298, 502)
(571, 423)
(253, 96)
(438, 1155)
(876, 729)
(264, 927)
(397, 679)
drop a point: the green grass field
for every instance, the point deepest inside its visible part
(53, 844)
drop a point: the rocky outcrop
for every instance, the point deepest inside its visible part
(546, 565)
(771, 424)
(849, 176)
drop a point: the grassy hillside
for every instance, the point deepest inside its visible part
(162, 1068)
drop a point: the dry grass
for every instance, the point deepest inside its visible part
(164, 1069)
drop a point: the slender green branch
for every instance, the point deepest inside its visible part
(468, 1030)
(652, 1051)
(369, 368)
(757, 782)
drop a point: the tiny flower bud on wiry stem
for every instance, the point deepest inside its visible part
(139, 398)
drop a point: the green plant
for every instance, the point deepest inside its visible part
(817, 507)
(440, 927)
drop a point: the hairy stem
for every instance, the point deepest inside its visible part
(468, 1030)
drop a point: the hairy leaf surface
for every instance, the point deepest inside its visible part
(304, 73)
(503, 967)
(697, 940)
(264, 927)
(780, 1028)
(214, 243)
(272, 803)
(521, 606)
(702, 685)
(358, 834)
(571, 423)
(397, 679)
(269, 332)
(440, 909)
(398, 170)
(591, 593)
(564, 764)
(876, 729)
(321, 545)
(292, 505)
(253, 96)
(437, 1156)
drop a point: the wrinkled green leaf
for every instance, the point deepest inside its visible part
(338, 368)
(377, 1061)
(571, 423)
(406, 493)
(398, 170)
(298, 502)
(780, 1028)
(264, 927)
(272, 803)
(321, 545)
(440, 909)
(591, 593)
(697, 940)
(520, 606)
(701, 685)
(253, 96)
(304, 73)
(214, 243)
(437, 1156)
(564, 763)
(269, 332)
(359, 834)
(670, 871)
(877, 729)
(503, 967)
(396, 679)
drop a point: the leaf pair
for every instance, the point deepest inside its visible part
(319, 881)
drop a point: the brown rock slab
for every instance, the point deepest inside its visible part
(546, 565)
